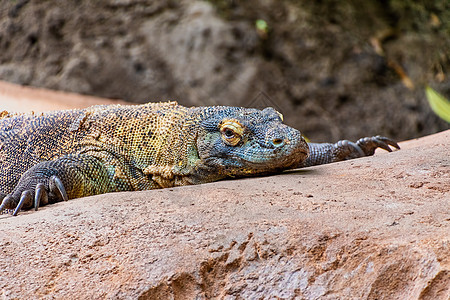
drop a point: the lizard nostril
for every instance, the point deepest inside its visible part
(278, 142)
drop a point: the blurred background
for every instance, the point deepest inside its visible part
(335, 69)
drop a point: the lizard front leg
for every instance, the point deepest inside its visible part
(324, 153)
(68, 177)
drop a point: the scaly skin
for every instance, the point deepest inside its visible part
(76, 153)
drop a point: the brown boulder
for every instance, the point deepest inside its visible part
(17, 98)
(372, 228)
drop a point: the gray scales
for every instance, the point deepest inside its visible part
(62, 155)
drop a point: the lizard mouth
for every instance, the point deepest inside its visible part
(285, 157)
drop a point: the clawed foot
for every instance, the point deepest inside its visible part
(42, 194)
(365, 146)
(369, 144)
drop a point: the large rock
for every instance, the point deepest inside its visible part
(372, 228)
(16, 98)
(316, 61)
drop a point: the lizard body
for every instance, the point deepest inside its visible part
(76, 153)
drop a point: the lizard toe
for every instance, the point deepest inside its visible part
(357, 148)
(349, 150)
(381, 144)
(388, 141)
(24, 198)
(7, 204)
(40, 196)
(57, 188)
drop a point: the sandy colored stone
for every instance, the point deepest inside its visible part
(19, 98)
(371, 228)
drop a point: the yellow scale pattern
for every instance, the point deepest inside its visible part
(151, 137)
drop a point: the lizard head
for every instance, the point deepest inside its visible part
(236, 141)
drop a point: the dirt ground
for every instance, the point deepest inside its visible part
(335, 69)
(371, 228)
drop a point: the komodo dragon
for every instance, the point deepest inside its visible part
(69, 154)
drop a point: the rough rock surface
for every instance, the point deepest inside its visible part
(18, 98)
(317, 61)
(372, 228)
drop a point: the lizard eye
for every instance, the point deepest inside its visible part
(231, 132)
(228, 133)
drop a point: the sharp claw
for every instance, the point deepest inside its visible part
(380, 143)
(395, 145)
(388, 141)
(57, 186)
(391, 142)
(40, 195)
(7, 200)
(26, 196)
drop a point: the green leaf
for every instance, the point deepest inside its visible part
(261, 25)
(439, 104)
